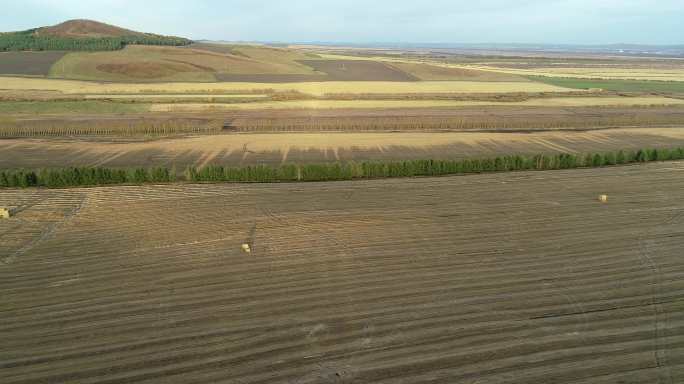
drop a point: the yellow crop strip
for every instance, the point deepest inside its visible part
(315, 89)
(656, 74)
(370, 104)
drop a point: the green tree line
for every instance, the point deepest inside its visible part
(146, 127)
(73, 177)
(29, 41)
(84, 176)
(639, 117)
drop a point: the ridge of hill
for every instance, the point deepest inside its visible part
(83, 28)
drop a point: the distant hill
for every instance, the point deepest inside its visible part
(82, 28)
(82, 35)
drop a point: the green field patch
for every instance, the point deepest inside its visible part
(65, 107)
(613, 85)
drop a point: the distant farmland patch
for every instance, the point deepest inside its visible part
(28, 63)
(175, 64)
(358, 70)
(310, 88)
(427, 72)
(614, 85)
(67, 107)
(631, 72)
(399, 104)
(146, 70)
(269, 78)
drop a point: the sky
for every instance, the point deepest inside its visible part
(373, 21)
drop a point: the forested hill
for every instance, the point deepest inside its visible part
(82, 35)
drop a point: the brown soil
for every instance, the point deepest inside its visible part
(521, 278)
(147, 70)
(330, 70)
(358, 70)
(28, 63)
(428, 72)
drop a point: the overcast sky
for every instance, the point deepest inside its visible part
(367, 21)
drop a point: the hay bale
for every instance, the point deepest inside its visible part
(603, 198)
(5, 213)
(246, 248)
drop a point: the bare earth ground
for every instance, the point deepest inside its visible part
(358, 70)
(503, 278)
(28, 63)
(275, 148)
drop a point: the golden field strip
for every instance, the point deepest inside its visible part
(371, 104)
(315, 88)
(138, 105)
(175, 96)
(306, 148)
(498, 278)
(673, 74)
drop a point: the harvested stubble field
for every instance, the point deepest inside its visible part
(203, 104)
(312, 88)
(502, 278)
(398, 104)
(602, 72)
(34, 122)
(112, 128)
(279, 148)
(147, 97)
(494, 118)
(428, 72)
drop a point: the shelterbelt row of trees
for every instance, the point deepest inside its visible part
(74, 177)
(30, 41)
(142, 127)
(446, 123)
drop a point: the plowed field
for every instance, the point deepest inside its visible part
(504, 278)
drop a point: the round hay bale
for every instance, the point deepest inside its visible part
(246, 248)
(603, 198)
(6, 213)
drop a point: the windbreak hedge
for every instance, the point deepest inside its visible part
(143, 127)
(413, 168)
(30, 41)
(74, 177)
